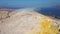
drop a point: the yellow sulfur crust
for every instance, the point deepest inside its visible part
(46, 25)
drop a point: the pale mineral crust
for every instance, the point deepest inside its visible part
(19, 21)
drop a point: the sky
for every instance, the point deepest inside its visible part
(27, 3)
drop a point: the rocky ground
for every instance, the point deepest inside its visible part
(12, 22)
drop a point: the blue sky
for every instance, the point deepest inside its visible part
(27, 3)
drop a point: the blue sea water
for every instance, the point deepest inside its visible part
(52, 11)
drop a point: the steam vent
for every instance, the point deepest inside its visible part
(27, 21)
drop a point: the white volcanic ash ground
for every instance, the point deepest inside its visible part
(19, 22)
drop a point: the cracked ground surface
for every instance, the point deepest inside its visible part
(4, 13)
